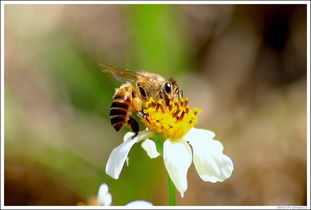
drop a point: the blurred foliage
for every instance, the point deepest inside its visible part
(243, 65)
(159, 42)
(73, 69)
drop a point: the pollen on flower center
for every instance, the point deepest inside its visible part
(171, 118)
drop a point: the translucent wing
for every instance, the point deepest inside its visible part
(122, 74)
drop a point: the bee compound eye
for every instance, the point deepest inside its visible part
(142, 92)
(168, 87)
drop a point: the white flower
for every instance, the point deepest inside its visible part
(104, 198)
(207, 154)
(182, 144)
(139, 203)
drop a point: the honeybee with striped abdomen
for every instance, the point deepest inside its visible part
(137, 89)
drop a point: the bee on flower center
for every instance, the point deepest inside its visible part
(133, 94)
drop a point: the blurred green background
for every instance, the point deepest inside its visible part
(244, 66)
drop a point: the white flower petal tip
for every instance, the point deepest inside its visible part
(139, 203)
(177, 160)
(119, 154)
(209, 160)
(104, 198)
(117, 158)
(182, 194)
(225, 169)
(103, 189)
(150, 147)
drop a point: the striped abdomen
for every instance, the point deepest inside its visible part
(119, 111)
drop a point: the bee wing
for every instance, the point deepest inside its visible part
(122, 74)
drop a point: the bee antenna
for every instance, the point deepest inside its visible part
(172, 81)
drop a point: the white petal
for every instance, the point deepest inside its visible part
(117, 158)
(139, 203)
(177, 159)
(199, 133)
(103, 189)
(150, 147)
(209, 160)
(119, 154)
(104, 198)
(140, 136)
(128, 136)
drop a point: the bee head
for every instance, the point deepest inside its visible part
(171, 89)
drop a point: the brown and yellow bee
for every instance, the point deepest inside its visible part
(132, 95)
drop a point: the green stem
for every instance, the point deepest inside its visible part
(171, 192)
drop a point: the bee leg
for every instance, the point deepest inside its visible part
(142, 114)
(134, 126)
(179, 93)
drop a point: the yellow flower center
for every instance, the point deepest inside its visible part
(172, 118)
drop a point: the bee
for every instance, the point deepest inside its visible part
(137, 89)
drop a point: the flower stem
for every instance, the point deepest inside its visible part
(171, 192)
